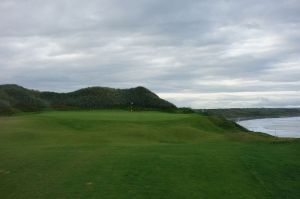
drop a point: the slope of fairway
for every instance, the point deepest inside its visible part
(119, 154)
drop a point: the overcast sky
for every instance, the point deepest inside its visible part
(198, 53)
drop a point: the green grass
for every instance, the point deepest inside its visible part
(119, 154)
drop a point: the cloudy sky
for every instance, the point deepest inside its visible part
(198, 53)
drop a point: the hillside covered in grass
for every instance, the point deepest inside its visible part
(121, 154)
(14, 98)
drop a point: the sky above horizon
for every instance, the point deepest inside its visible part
(201, 54)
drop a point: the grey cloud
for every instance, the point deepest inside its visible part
(171, 46)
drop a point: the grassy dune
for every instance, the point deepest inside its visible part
(119, 154)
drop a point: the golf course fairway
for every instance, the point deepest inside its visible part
(121, 154)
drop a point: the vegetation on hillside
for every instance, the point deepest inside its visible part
(14, 98)
(252, 113)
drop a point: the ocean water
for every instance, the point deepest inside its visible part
(280, 127)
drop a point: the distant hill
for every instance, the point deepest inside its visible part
(14, 98)
(252, 113)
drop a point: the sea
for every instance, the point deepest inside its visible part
(281, 127)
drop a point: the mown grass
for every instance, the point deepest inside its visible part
(120, 154)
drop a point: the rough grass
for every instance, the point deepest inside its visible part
(119, 154)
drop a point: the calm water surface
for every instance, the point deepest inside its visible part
(281, 127)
